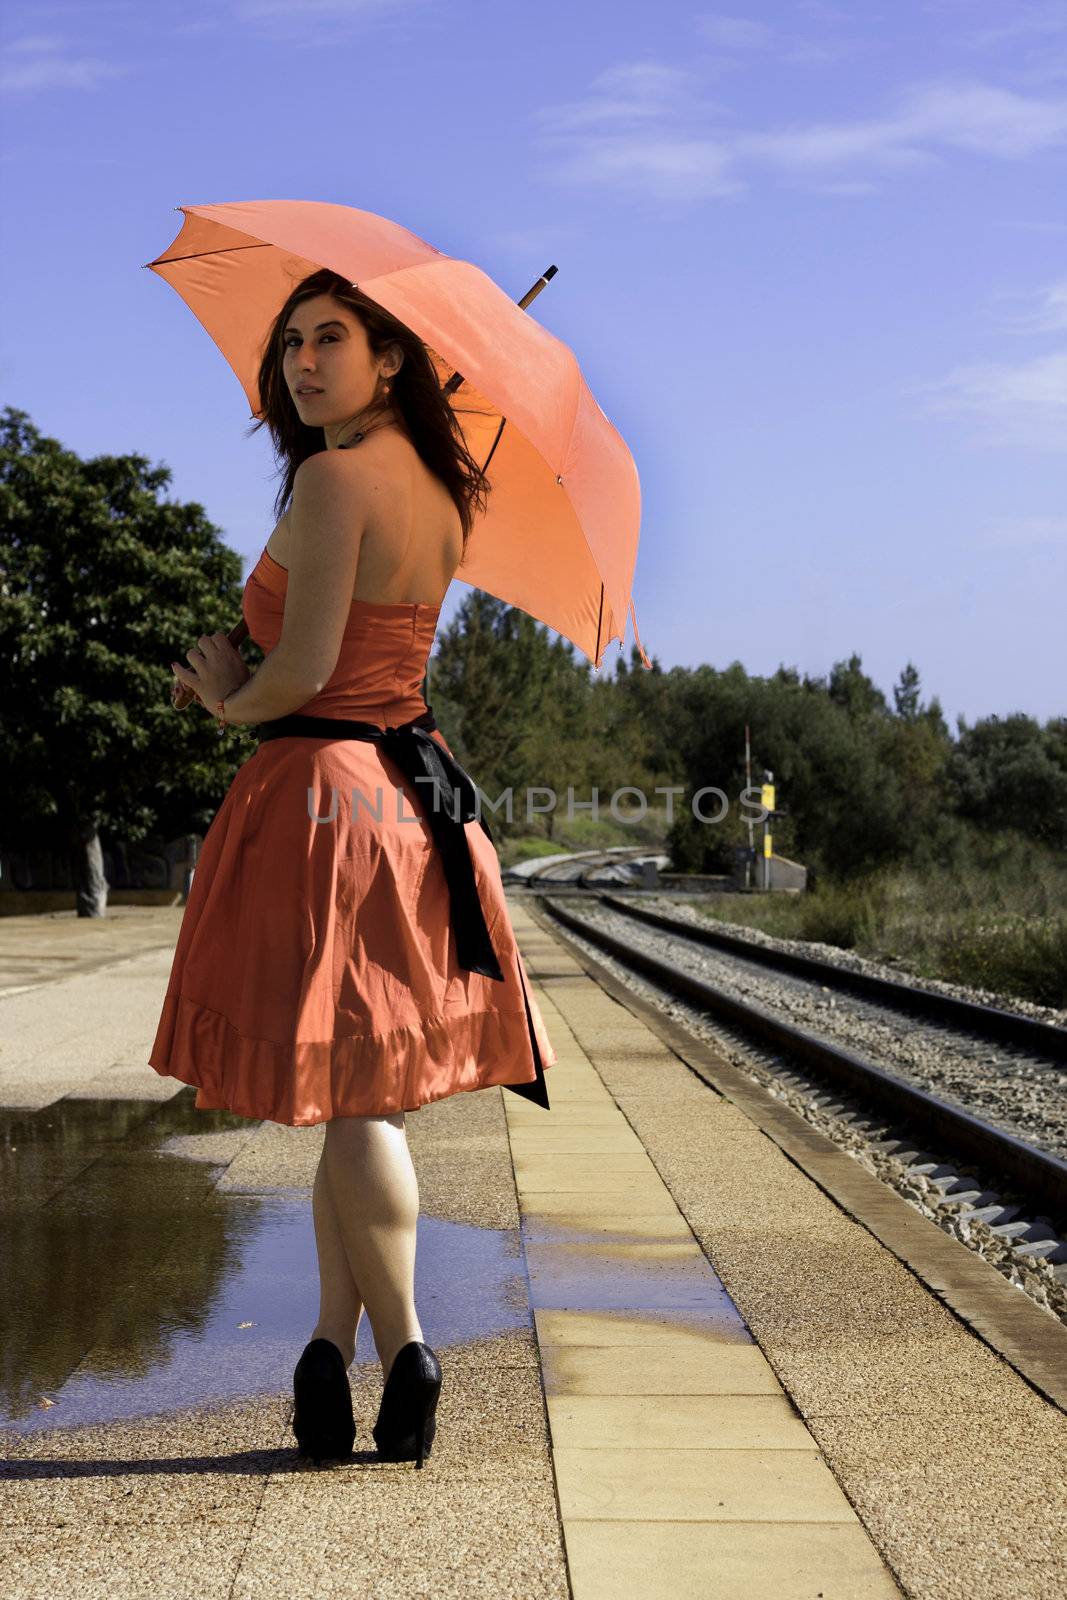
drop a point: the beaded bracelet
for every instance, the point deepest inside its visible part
(220, 712)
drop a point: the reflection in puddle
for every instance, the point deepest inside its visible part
(132, 1286)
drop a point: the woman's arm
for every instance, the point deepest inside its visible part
(218, 672)
(273, 690)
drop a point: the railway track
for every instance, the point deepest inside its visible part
(988, 1022)
(975, 1171)
(591, 869)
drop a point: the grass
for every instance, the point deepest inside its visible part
(994, 920)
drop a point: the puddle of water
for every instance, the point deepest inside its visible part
(603, 1267)
(604, 1276)
(133, 1286)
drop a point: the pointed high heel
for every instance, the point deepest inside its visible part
(322, 1415)
(407, 1419)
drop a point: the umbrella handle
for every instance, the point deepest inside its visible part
(180, 693)
(531, 294)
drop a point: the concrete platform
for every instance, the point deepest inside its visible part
(672, 1363)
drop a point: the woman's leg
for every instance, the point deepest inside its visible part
(375, 1192)
(340, 1302)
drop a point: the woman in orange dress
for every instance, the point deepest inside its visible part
(346, 953)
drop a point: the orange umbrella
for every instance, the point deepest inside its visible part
(559, 536)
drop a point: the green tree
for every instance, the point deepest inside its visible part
(102, 584)
(1009, 772)
(906, 693)
(854, 691)
(524, 712)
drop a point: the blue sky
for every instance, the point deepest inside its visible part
(812, 258)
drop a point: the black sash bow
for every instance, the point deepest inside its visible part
(451, 803)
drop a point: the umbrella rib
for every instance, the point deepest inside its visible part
(231, 249)
(496, 441)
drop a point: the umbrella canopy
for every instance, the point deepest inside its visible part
(559, 537)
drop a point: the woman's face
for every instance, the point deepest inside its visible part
(326, 352)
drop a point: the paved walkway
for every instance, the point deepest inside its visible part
(607, 1421)
(676, 1452)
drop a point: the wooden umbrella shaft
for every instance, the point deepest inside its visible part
(181, 694)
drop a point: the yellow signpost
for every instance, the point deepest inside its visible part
(767, 801)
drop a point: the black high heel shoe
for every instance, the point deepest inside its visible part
(322, 1416)
(407, 1420)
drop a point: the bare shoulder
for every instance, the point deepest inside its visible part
(329, 472)
(339, 486)
(328, 510)
(369, 471)
(381, 500)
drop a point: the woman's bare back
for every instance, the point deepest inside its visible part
(414, 542)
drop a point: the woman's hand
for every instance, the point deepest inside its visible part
(216, 669)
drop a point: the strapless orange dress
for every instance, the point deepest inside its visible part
(315, 973)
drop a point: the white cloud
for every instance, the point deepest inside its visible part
(625, 95)
(964, 116)
(845, 186)
(298, 10)
(1044, 311)
(823, 12)
(644, 125)
(1014, 533)
(670, 168)
(47, 61)
(1042, 21)
(333, 24)
(624, 134)
(736, 37)
(735, 33)
(979, 117)
(1024, 403)
(1029, 35)
(1051, 313)
(35, 41)
(1030, 224)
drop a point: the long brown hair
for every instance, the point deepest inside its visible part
(417, 394)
